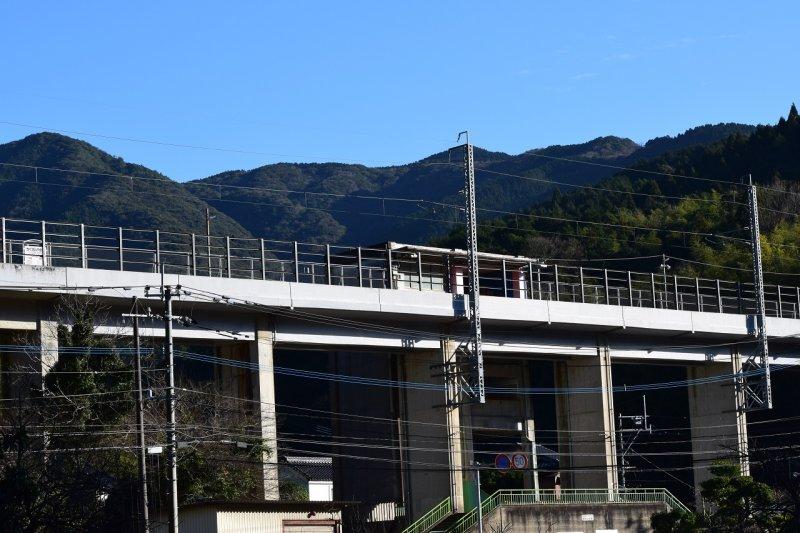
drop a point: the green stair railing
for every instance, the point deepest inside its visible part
(427, 521)
(565, 496)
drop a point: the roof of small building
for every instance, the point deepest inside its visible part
(312, 468)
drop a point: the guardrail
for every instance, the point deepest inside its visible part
(427, 521)
(566, 496)
(115, 248)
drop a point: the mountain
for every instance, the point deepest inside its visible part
(317, 212)
(329, 202)
(697, 189)
(91, 193)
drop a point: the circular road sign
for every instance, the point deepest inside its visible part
(502, 461)
(519, 461)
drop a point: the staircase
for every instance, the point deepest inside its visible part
(432, 518)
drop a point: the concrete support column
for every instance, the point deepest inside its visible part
(587, 444)
(47, 353)
(426, 434)
(261, 352)
(718, 422)
(455, 445)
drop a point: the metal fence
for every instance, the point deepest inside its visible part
(423, 269)
(529, 497)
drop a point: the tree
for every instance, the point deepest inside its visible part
(741, 504)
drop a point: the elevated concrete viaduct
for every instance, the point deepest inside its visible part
(398, 323)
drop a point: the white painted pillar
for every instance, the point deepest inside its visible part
(587, 440)
(719, 425)
(261, 352)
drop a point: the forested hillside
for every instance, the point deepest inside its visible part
(92, 193)
(328, 202)
(697, 189)
(316, 211)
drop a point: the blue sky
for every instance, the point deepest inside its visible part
(385, 82)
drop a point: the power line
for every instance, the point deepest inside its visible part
(605, 189)
(187, 146)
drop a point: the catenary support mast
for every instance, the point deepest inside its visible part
(754, 382)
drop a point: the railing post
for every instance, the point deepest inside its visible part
(228, 255)
(530, 278)
(3, 222)
(675, 285)
(583, 296)
(605, 284)
(296, 261)
(194, 256)
(328, 263)
(158, 251)
(390, 270)
(263, 259)
(555, 276)
(419, 268)
(653, 287)
(360, 273)
(84, 260)
(539, 281)
(797, 302)
(697, 294)
(119, 246)
(719, 297)
(739, 296)
(44, 245)
(780, 303)
(630, 289)
(505, 282)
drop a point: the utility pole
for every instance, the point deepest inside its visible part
(171, 433)
(638, 424)
(140, 417)
(755, 382)
(172, 443)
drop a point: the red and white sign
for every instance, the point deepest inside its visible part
(519, 461)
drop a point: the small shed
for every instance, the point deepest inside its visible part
(313, 473)
(258, 517)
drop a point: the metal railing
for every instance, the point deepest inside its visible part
(529, 497)
(60, 244)
(429, 520)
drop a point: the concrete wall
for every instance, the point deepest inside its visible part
(623, 518)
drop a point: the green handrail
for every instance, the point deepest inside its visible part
(565, 496)
(426, 522)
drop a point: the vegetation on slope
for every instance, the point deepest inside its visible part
(659, 195)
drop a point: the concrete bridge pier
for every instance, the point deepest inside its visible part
(717, 419)
(262, 353)
(587, 444)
